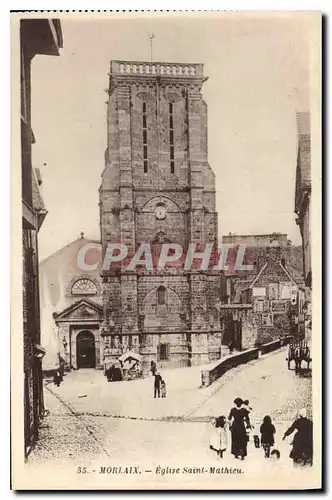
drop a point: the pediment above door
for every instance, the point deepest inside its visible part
(83, 310)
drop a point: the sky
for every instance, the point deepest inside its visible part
(257, 71)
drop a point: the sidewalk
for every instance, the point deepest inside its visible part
(64, 437)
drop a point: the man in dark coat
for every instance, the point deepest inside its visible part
(110, 374)
(117, 374)
(153, 368)
(157, 382)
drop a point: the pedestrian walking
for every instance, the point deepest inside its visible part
(157, 382)
(57, 378)
(163, 388)
(267, 431)
(302, 449)
(219, 438)
(231, 347)
(239, 423)
(153, 368)
(110, 373)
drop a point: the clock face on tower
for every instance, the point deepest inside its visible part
(161, 212)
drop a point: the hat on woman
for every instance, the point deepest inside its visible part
(238, 401)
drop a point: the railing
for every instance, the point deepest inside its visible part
(154, 69)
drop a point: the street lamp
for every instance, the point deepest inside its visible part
(39, 351)
(64, 343)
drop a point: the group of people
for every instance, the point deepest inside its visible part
(298, 352)
(113, 374)
(241, 429)
(159, 382)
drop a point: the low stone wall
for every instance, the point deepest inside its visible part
(270, 346)
(227, 363)
(286, 340)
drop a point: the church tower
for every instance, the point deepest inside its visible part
(157, 187)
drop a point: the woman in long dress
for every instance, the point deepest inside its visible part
(302, 442)
(239, 423)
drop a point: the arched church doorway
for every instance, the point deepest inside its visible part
(86, 350)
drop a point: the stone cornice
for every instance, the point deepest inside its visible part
(158, 68)
(150, 81)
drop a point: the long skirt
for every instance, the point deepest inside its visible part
(301, 452)
(239, 441)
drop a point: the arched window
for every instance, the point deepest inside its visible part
(161, 296)
(84, 287)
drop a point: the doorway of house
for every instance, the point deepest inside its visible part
(233, 332)
(86, 350)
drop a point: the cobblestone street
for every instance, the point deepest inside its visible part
(93, 423)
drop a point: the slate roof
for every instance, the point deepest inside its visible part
(257, 256)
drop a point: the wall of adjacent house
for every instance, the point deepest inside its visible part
(270, 297)
(242, 313)
(58, 273)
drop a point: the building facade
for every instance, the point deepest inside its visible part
(277, 300)
(303, 191)
(265, 301)
(157, 187)
(71, 309)
(37, 36)
(255, 252)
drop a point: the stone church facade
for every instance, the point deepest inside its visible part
(157, 187)
(71, 309)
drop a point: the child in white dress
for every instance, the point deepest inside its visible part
(219, 438)
(163, 388)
